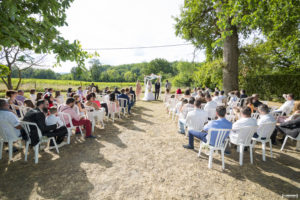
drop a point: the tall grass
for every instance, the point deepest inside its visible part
(62, 85)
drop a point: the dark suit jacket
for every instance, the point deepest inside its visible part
(157, 86)
(36, 116)
(133, 92)
(291, 127)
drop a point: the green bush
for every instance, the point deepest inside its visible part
(271, 87)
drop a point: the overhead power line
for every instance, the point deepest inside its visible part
(141, 47)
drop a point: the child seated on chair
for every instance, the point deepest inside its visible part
(53, 118)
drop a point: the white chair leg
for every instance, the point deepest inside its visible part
(102, 122)
(36, 153)
(241, 154)
(285, 139)
(69, 135)
(81, 131)
(10, 150)
(223, 162)
(251, 154)
(54, 142)
(200, 148)
(270, 143)
(26, 150)
(1, 149)
(210, 158)
(113, 117)
(263, 146)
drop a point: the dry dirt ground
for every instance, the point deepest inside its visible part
(141, 157)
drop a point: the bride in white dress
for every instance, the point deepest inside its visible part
(148, 93)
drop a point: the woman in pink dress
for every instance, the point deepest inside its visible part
(138, 90)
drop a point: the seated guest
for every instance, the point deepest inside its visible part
(105, 90)
(49, 93)
(180, 104)
(103, 104)
(117, 91)
(129, 95)
(131, 91)
(58, 98)
(80, 93)
(243, 94)
(50, 99)
(183, 113)
(291, 128)
(296, 111)
(112, 98)
(220, 123)
(78, 105)
(13, 103)
(222, 96)
(256, 101)
(264, 117)
(28, 104)
(195, 119)
(187, 94)
(98, 113)
(69, 92)
(124, 96)
(210, 106)
(76, 119)
(288, 106)
(195, 93)
(201, 96)
(85, 92)
(32, 95)
(234, 97)
(217, 98)
(45, 91)
(38, 116)
(245, 121)
(53, 118)
(167, 95)
(249, 103)
(207, 90)
(8, 116)
(39, 96)
(178, 91)
(20, 97)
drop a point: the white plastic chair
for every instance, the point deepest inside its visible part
(288, 136)
(26, 127)
(67, 120)
(265, 131)
(112, 110)
(243, 140)
(5, 130)
(220, 144)
(123, 105)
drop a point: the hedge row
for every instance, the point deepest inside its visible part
(271, 87)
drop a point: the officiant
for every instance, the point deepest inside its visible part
(157, 89)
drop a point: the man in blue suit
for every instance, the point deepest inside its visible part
(220, 123)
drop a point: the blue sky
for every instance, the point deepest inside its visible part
(130, 23)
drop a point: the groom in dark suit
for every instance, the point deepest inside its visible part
(157, 89)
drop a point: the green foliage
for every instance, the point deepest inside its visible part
(4, 70)
(271, 87)
(209, 74)
(185, 75)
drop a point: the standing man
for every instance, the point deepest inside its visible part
(168, 85)
(157, 89)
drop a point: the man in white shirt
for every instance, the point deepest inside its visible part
(11, 119)
(217, 98)
(245, 121)
(53, 119)
(288, 106)
(195, 119)
(183, 114)
(210, 107)
(264, 117)
(195, 93)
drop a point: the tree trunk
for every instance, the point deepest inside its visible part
(230, 59)
(9, 83)
(20, 79)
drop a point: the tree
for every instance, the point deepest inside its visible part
(32, 25)
(185, 76)
(157, 66)
(19, 59)
(210, 24)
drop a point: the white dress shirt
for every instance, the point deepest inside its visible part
(241, 123)
(217, 99)
(264, 119)
(210, 108)
(186, 108)
(287, 106)
(195, 119)
(53, 119)
(13, 120)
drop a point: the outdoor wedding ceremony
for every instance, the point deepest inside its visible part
(139, 99)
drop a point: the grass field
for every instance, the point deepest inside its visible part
(62, 85)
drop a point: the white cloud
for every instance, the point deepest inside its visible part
(130, 23)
